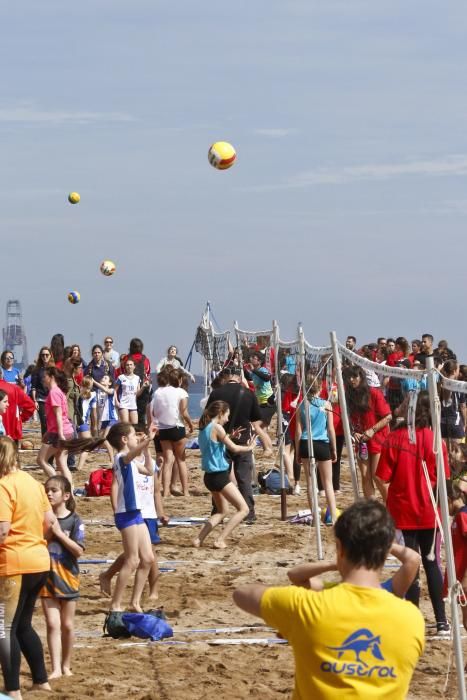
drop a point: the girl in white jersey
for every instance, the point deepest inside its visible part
(128, 388)
(87, 414)
(106, 412)
(151, 507)
(126, 503)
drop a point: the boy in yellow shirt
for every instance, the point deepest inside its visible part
(355, 639)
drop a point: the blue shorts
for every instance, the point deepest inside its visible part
(108, 423)
(83, 428)
(151, 524)
(132, 517)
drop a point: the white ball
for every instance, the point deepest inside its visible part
(108, 267)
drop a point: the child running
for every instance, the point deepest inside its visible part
(61, 591)
(212, 442)
(151, 507)
(126, 503)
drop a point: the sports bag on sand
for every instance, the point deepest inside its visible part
(147, 626)
(270, 481)
(99, 483)
(151, 625)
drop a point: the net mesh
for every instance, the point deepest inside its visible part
(214, 347)
(248, 341)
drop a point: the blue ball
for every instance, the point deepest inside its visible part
(74, 297)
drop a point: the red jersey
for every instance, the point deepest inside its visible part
(377, 409)
(392, 361)
(20, 408)
(459, 542)
(333, 399)
(400, 464)
(290, 402)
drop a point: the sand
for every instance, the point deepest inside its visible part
(198, 595)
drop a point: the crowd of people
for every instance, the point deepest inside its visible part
(111, 403)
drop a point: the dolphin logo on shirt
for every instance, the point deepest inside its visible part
(361, 641)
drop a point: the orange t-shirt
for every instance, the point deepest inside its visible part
(23, 503)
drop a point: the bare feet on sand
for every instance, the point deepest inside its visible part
(196, 542)
(220, 544)
(54, 675)
(66, 671)
(41, 686)
(135, 607)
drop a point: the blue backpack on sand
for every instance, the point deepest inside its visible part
(147, 626)
(151, 625)
(270, 481)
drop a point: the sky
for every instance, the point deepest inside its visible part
(347, 206)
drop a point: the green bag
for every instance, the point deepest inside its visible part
(114, 626)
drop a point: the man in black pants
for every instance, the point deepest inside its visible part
(244, 412)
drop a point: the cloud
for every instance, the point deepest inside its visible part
(30, 114)
(454, 165)
(274, 133)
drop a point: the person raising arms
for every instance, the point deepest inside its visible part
(346, 639)
(126, 504)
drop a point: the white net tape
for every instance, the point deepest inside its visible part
(250, 337)
(453, 384)
(316, 350)
(288, 344)
(384, 370)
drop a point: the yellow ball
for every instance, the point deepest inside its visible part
(74, 297)
(222, 155)
(108, 267)
(73, 198)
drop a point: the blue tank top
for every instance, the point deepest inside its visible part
(318, 420)
(212, 453)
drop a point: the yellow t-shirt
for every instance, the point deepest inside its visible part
(23, 503)
(348, 641)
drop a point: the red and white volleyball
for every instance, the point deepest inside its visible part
(222, 155)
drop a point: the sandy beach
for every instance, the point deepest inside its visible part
(197, 598)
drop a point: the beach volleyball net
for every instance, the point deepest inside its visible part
(290, 361)
(250, 341)
(212, 346)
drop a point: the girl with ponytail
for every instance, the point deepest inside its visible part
(212, 442)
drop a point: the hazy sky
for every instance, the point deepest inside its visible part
(346, 209)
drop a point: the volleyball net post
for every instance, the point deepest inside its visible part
(448, 548)
(280, 426)
(344, 413)
(311, 454)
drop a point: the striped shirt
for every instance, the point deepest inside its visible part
(63, 579)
